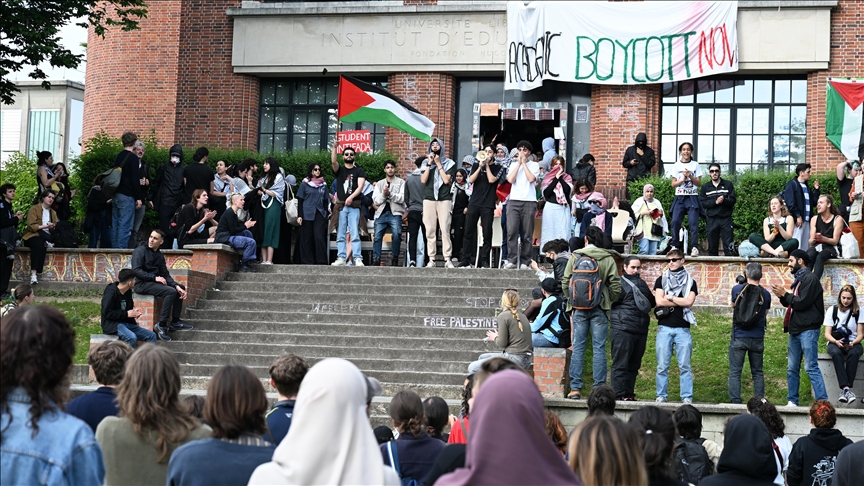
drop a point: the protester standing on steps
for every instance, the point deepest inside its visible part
(825, 231)
(350, 179)
(522, 206)
(847, 171)
(119, 312)
(804, 315)
(438, 174)
(844, 330)
(461, 192)
(168, 190)
(198, 175)
(144, 170)
(584, 170)
(127, 199)
(557, 187)
(389, 196)
(639, 159)
(748, 341)
(717, 197)
(801, 200)
(483, 178)
(223, 186)
(777, 231)
(628, 331)
(686, 177)
(271, 189)
(153, 278)
(312, 208)
(856, 210)
(513, 334)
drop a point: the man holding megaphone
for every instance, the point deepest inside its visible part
(481, 206)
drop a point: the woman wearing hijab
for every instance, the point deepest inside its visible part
(596, 216)
(748, 456)
(330, 440)
(650, 212)
(582, 190)
(557, 187)
(508, 442)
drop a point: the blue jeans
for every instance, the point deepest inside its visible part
(132, 333)
(594, 320)
(738, 348)
(394, 222)
(123, 215)
(806, 345)
(680, 338)
(349, 220)
(540, 341)
(100, 234)
(648, 247)
(245, 242)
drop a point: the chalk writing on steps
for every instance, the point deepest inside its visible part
(323, 308)
(466, 322)
(483, 302)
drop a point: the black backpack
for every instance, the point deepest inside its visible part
(691, 461)
(174, 228)
(65, 236)
(748, 307)
(563, 320)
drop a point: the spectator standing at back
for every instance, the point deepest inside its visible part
(39, 443)
(349, 187)
(639, 158)
(856, 210)
(438, 175)
(107, 360)
(675, 291)
(718, 198)
(198, 175)
(286, 374)
(144, 171)
(389, 196)
(414, 191)
(593, 317)
(523, 175)
(168, 190)
(748, 331)
(127, 198)
(630, 319)
(584, 170)
(805, 311)
(686, 177)
(548, 145)
(119, 312)
(801, 201)
(153, 278)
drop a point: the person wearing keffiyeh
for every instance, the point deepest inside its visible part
(438, 172)
(557, 187)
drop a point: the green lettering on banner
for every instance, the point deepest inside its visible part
(669, 39)
(579, 56)
(687, 50)
(633, 66)
(662, 58)
(612, 64)
(626, 48)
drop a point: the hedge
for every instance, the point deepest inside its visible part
(753, 190)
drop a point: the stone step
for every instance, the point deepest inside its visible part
(380, 409)
(439, 317)
(426, 377)
(345, 308)
(380, 364)
(490, 301)
(461, 278)
(454, 288)
(437, 272)
(329, 328)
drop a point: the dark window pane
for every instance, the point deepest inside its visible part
(282, 94)
(268, 93)
(280, 143)
(299, 142)
(378, 143)
(317, 93)
(706, 91)
(313, 141)
(265, 143)
(280, 121)
(314, 123)
(670, 92)
(332, 92)
(301, 94)
(266, 120)
(687, 89)
(300, 121)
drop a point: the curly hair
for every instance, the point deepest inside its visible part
(37, 344)
(823, 415)
(406, 410)
(765, 411)
(555, 430)
(467, 392)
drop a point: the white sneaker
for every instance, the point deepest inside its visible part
(851, 396)
(338, 263)
(694, 252)
(509, 266)
(358, 262)
(33, 279)
(449, 264)
(431, 264)
(791, 404)
(49, 244)
(660, 400)
(843, 398)
(687, 401)
(524, 267)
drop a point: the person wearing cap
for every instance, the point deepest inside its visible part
(804, 315)
(547, 330)
(628, 329)
(167, 190)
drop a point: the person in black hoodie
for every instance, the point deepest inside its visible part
(127, 198)
(804, 316)
(8, 235)
(718, 199)
(748, 456)
(629, 330)
(638, 159)
(97, 221)
(813, 455)
(584, 170)
(167, 195)
(119, 312)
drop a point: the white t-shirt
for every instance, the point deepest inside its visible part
(677, 172)
(46, 216)
(523, 190)
(841, 316)
(785, 446)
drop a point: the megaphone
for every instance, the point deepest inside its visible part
(481, 156)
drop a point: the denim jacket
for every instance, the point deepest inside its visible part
(63, 452)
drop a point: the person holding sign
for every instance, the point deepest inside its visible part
(686, 177)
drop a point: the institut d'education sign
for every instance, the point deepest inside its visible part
(619, 42)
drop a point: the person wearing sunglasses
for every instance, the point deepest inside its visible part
(675, 292)
(350, 180)
(718, 199)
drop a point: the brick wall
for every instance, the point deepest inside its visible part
(550, 371)
(619, 114)
(87, 265)
(433, 95)
(847, 43)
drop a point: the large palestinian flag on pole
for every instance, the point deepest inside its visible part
(363, 102)
(844, 116)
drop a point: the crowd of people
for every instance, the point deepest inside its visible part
(135, 429)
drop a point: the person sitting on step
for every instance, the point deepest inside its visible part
(231, 231)
(152, 278)
(119, 312)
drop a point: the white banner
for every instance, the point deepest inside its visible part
(619, 42)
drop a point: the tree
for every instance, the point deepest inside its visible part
(29, 34)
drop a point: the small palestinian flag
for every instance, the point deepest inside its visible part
(362, 102)
(844, 117)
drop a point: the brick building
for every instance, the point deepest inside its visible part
(262, 75)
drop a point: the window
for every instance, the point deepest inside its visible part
(44, 133)
(301, 115)
(740, 124)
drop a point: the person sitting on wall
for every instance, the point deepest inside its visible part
(231, 231)
(119, 312)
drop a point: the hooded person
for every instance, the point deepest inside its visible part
(509, 411)
(813, 455)
(330, 440)
(748, 456)
(438, 174)
(168, 190)
(548, 146)
(596, 216)
(584, 169)
(638, 159)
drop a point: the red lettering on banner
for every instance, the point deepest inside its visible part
(360, 140)
(708, 48)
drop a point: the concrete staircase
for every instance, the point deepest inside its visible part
(410, 328)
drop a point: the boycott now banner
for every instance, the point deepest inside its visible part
(619, 42)
(361, 140)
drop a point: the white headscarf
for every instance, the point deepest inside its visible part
(330, 440)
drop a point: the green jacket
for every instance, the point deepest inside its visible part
(608, 273)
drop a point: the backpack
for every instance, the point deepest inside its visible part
(586, 286)
(394, 463)
(563, 320)
(64, 235)
(111, 177)
(842, 333)
(174, 226)
(691, 461)
(748, 307)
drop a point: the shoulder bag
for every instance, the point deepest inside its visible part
(291, 206)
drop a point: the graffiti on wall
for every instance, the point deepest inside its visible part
(85, 266)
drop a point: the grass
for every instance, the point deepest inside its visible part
(710, 364)
(85, 319)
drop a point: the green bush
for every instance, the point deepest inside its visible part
(21, 171)
(753, 190)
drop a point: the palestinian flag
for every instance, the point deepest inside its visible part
(362, 102)
(844, 117)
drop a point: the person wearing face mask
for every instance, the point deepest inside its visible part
(168, 190)
(639, 158)
(596, 216)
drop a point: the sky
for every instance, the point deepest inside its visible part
(72, 36)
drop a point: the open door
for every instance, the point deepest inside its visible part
(508, 123)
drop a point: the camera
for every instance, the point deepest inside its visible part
(741, 279)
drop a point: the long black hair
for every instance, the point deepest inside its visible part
(42, 158)
(309, 174)
(272, 173)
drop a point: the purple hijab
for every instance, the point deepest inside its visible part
(508, 442)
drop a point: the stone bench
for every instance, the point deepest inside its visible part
(826, 366)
